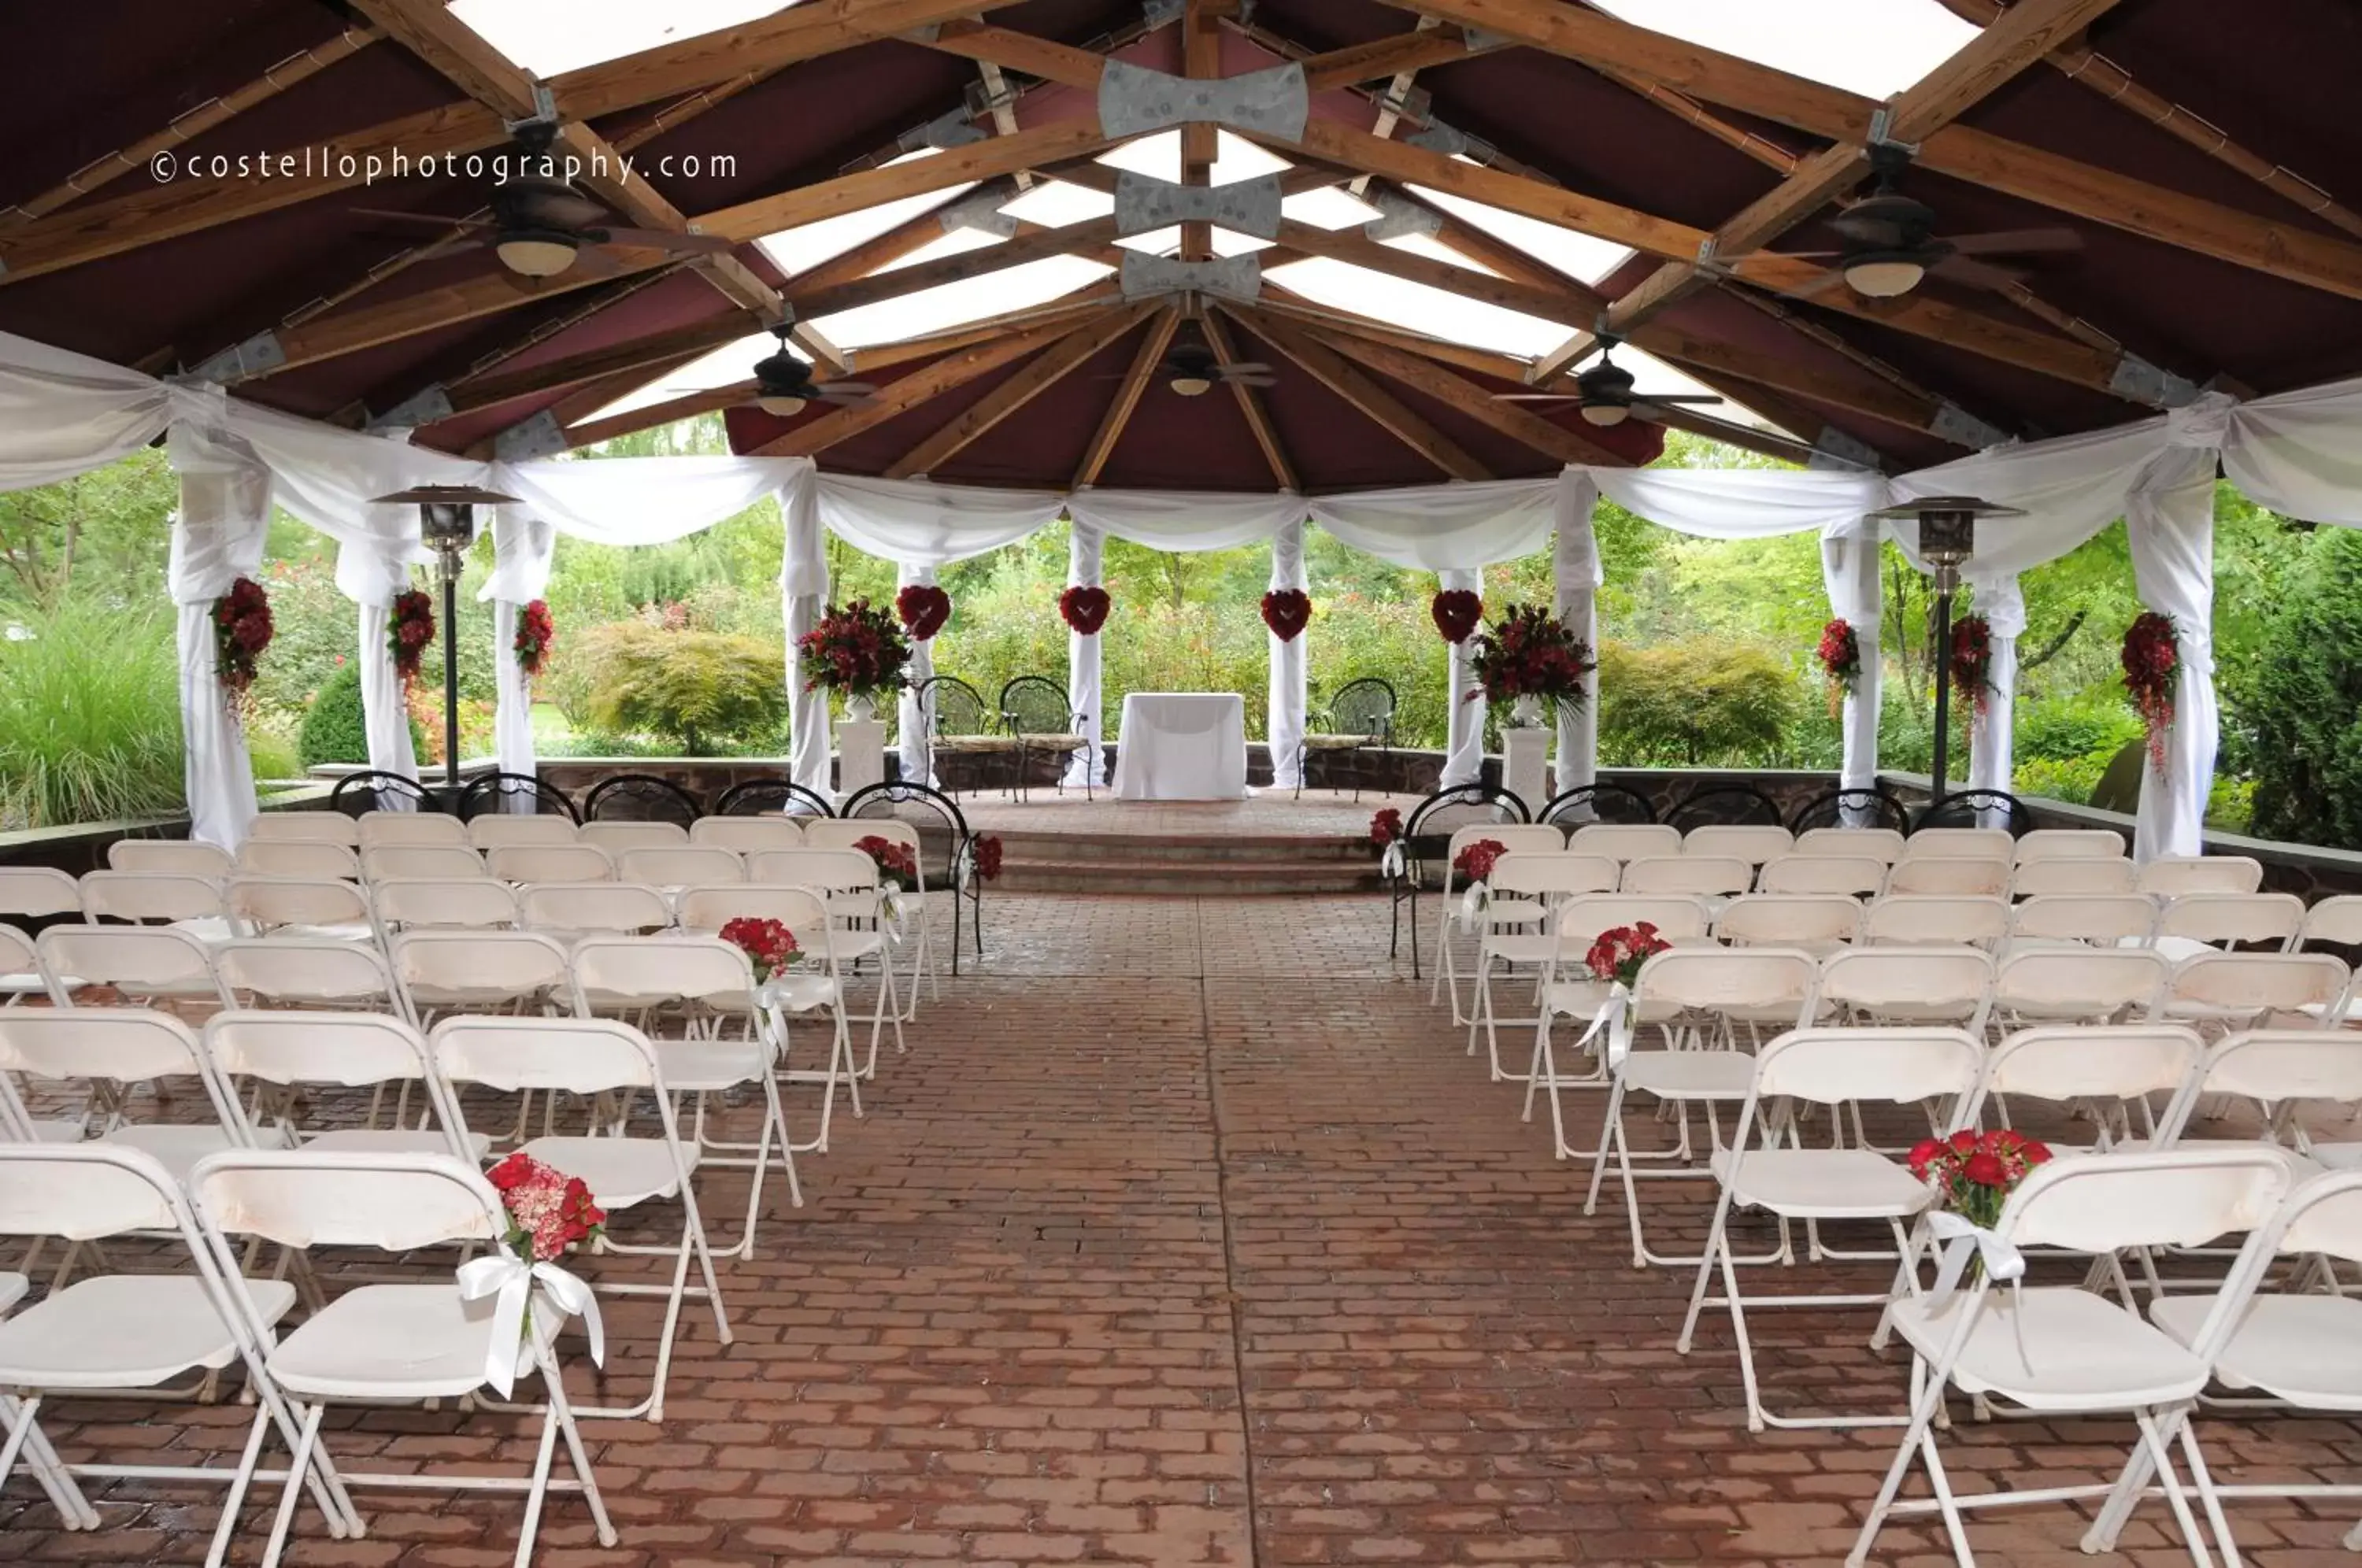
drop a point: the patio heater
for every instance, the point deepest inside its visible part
(447, 521)
(1947, 537)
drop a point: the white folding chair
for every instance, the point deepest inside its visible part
(437, 862)
(857, 929)
(1623, 841)
(2247, 990)
(571, 911)
(2071, 844)
(2336, 920)
(175, 856)
(817, 990)
(1832, 1068)
(20, 968)
(1566, 987)
(291, 1050)
(2093, 920)
(381, 829)
(315, 859)
(846, 833)
(1928, 986)
(1881, 844)
(1905, 920)
(300, 906)
(192, 904)
(2136, 1079)
(474, 903)
(1957, 876)
(141, 963)
(2075, 1354)
(37, 892)
(2192, 923)
(447, 970)
(1755, 845)
(1514, 925)
(307, 827)
(617, 837)
(378, 1344)
(2171, 876)
(306, 972)
(102, 1052)
(1539, 839)
(2072, 985)
(1820, 872)
(527, 863)
(747, 834)
(1961, 844)
(496, 830)
(1819, 923)
(681, 866)
(2280, 1072)
(1700, 876)
(2070, 875)
(607, 1064)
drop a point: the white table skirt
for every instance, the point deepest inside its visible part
(1181, 746)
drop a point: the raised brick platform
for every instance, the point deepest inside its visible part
(1269, 844)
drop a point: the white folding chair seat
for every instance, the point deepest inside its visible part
(108, 1050)
(748, 835)
(473, 904)
(381, 829)
(617, 837)
(1821, 872)
(1701, 876)
(2247, 989)
(682, 866)
(478, 971)
(2192, 923)
(1537, 838)
(1961, 844)
(803, 911)
(190, 903)
(141, 963)
(1930, 986)
(437, 862)
(2080, 984)
(1756, 844)
(528, 863)
(2171, 876)
(307, 827)
(2336, 920)
(494, 830)
(1817, 922)
(2081, 919)
(2069, 844)
(1905, 920)
(286, 971)
(2068, 874)
(180, 857)
(337, 1050)
(328, 910)
(314, 859)
(1958, 876)
(1881, 844)
(1569, 988)
(572, 910)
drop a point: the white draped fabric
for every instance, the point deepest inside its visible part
(1463, 746)
(643, 501)
(1181, 521)
(1743, 503)
(1991, 735)
(2300, 453)
(914, 522)
(522, 548)
(803, 590)
(1085, 568)
(1849, 573)
(1285, 727)
(1576, 576)
(2169, 520)
(1444, 527)
(916, 759)
(218, 538)
(63, 413)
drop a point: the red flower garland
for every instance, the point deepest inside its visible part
(2152, 660)
(1532, 653)
(1085, 610)
(1971, 660)
(1456, 612)
(550, 1212)
(987, 851)
(923, 609)
(1287, 611)
(767, 943)
(1475, 862)
(1617, 954)
(896, 868)
(1840, 657)
(856, 649)
(1974, 1175)
(534, 634)
(242, 629)
(409, 628)
(1385, 826)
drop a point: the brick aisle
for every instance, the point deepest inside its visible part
(1186, 1235)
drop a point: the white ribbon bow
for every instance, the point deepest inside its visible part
(897, 913)
(1472, 903)
(511, 1279)
(1390, 863)
(2004, 1265)
(1614, 1017)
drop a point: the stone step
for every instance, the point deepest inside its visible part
(1132, 848)
(1200, 877)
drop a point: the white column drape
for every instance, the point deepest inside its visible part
(1995, 596)
(803, 591)
(218, 538)
(1283, 728)
(522, 548)
(917, 758)
(1849, 572)
(1576, 577)
(1464, 750)
(371, 575)
(1085, 568)
(2170, 521)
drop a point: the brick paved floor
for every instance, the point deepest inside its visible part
(1186, 1234)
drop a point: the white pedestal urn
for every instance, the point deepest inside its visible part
(1525, 754)
(861, 707)
(860, 753)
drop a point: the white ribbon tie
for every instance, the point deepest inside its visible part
(2004, 1265)
(511, 1279)
(1390, 863)
(1472, 904)
(1615, 1020)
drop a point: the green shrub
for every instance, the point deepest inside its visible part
(696, 688)
(2073, 727)
(1698, 701)
(2071, 779)
(334, 730)
(2300, 697)
(90, 718)
(271, 754)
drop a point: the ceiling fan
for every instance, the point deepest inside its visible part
(1887, 241)
(1193, 369)
(540, 225)
(783, 382)
(1606, 396)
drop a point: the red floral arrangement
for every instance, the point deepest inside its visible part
(242, 629)
(1618, 952)
(409, 629)
(1455, 611)
(897, 866)
(1971, 660)
(1974, 1174)
(923, 609)
(768, 943)
(550, 1212)
(1084, 608)
(2152, 661)
(1532, 653)
(1287, 611)
(1475, 862)
(986, 848)
(856, 649)
(1385, 826)
(1840, 656)
(534, 634)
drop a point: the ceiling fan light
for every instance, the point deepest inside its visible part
(536, 254)
(1192, 386)
(1606, 414)
(1882, 278)
(781, 403)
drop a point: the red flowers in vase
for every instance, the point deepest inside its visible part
(1531, 653)
(1974, 1174)
(535, 635)
(897, 866)
(857, 649)
(1839, 654)
(2152, 660)
(1617, 954)
(1475, 862)
(768, 944)
(1971, 660)
(1385, 826)
(986, 849)
(1287, 611)
(550, 1212)
(410, 627)
(242, 630)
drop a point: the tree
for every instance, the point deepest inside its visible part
(2300, 697)
(103, 533)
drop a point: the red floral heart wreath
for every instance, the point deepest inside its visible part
(1084, 608)
(1457, 612)
(924, 609)
(1287, 611)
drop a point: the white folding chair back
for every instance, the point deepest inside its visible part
(1899, 1066)
(1755, 845)
(304, 971)
(2071, 875)
(1820, 871)
(495, 829)
(20, 969)
(617, 837)
(444, 968)
(302, 906)
(2127, 1062)
(315, 859)
(2171, 876)
(37, 892)
(180, 856)
(2080, 984)
(138, 961)
(550, 863)
(836, 870)
(646, 971)
(2175, 1198)
(747, 834)
(1961, 844)
(2099, 919)
(150, 895)
(2336, 920)
(1582, 918)
(844, 833)
(2222, 920)
(306, 827)
(567, 909)
(380, 829)
(1957, 875)
(1617, 841)
(339, 1050)
(2248, 987)
(2279, 1066)
(118, 1046)
(1701, 876)
(802, 910)
(384, 862)
(1947, 919)
(684, 866)
(1817, 922)
(1881, 844)
(478, 903)
(1950, 985)
(1550, 876)
(2071, 844)
(1772, 984)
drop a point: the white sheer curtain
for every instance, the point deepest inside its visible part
(1444, 527)
(523, 548)
(2298, 453)
(917, 523)
(1184, 521)
(63, 413)
(1284, 730)
(803, 590)
(1464, 746)
(1085, 568)
(1849, 555)
(643, 501)
(2170, 520)
(916, 756)
(1576, 577)
(218, 538)
(1992, 737)
(1743, 503)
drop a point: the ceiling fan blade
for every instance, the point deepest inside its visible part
(857, 389)
(1679, 397)
(2014, 239)
(1833, 279)
(1880, 233)
(660, 240)
(1538, 397)
(591, 261)
(550, 206)
(840, 396)
(1253, 380)
(1248, 367)
(420, 217)
(1975, 274)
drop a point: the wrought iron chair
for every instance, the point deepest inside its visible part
(1597, 803)
(501, 793)
(946, 847)
(1361, 717)
(769, 796)
(374, 789)
(641, 798)
(1851, 808)
(957, 722)
(1038, 712)
(1725, 805)
(1978, 808)
(1427, 835)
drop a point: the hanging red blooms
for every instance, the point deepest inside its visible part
(1617, 955)
(986, 848)
(856, 649)
(1456, 612)
(534, 634)
(1385, 826)
(897, 867)
(1287, 611)
(550, 1212)
(924, 609)
(768, 944)
(1839, 654)
(1531, 653)
(1475, 862)
(242, 629)
(409, 629)
(2152, 660)
(1084, 608)
(1971, 660)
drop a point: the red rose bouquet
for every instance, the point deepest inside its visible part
(1618, 953)
(409, 628)
(534, 634)
(897, 867)
(1475, 863)
(767, 943)
(550, 1213)
(1971, 660)
(242, 629)
(857, 649)
(1839, 654)
(986, 849)
(1531, 653)
(1974, 1174)
(1385, 826)
(2152, 660)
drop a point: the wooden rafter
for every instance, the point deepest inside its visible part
(1381, 58)
(1088, 236)
(1048, 367)
(1329, 368)
(1201, 56)
(1521, 424)
(1251, 408)
(1568, 304)
(687, 405)
(867, 188)
(1012, 51)
(639, 354)
(1128, 392)
(1067, 308)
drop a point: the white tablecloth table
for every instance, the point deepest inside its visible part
(1181, 746)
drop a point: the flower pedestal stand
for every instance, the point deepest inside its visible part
(1525, 756)
(860, 755)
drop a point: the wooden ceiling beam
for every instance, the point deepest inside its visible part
(1251, 408)
(1382, 59)
(1068, 308)
(1326, 366)
(978, 161)
(1128, 393)
(701, 337)
(1012, 50)
(1038, 246)
(1518, 423)
(1061, 358)
(1569, 302)
(1201, 57)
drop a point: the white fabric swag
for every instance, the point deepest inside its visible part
(918, 757)
(1285, 726)
(223, 521)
